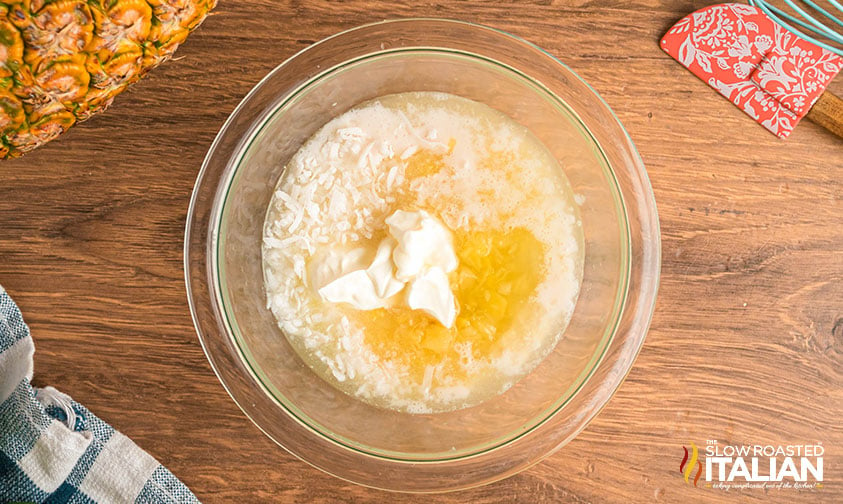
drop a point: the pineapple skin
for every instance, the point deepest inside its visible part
(62, 61)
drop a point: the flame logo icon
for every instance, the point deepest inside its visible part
(686, 467)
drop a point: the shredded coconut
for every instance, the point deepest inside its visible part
(344, 181)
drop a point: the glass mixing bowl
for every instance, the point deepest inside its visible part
(336, 432)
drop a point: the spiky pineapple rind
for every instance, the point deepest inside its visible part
(62, 61)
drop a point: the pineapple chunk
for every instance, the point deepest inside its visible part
(437, 339)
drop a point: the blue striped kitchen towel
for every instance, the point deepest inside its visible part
(53, 450)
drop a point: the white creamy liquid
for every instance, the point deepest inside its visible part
(330, 260)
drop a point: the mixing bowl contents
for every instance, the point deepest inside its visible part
(422, 252)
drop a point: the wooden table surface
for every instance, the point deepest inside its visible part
(745, 344)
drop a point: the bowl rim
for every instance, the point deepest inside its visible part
(246, 355)
(248, 137)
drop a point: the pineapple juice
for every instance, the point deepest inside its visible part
(508, 219)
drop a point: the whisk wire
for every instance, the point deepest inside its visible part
(825, 13)
(807, 21)
(836, 4)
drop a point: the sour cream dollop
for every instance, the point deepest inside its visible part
(415, 258)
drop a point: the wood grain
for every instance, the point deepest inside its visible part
(745, 345)
(828, 113)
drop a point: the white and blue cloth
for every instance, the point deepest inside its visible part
(53, 450)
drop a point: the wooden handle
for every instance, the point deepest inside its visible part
(828, 113)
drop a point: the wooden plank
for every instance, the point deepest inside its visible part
(745, 345)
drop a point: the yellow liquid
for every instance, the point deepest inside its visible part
(497, 274)
(515, 233)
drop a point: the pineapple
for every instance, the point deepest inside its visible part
(62, 61)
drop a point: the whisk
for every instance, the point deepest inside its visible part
(806, 14)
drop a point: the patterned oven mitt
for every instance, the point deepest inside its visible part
(53, 450)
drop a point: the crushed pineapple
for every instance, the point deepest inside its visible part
(425, 162)
(514, 229)
(497, 274)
